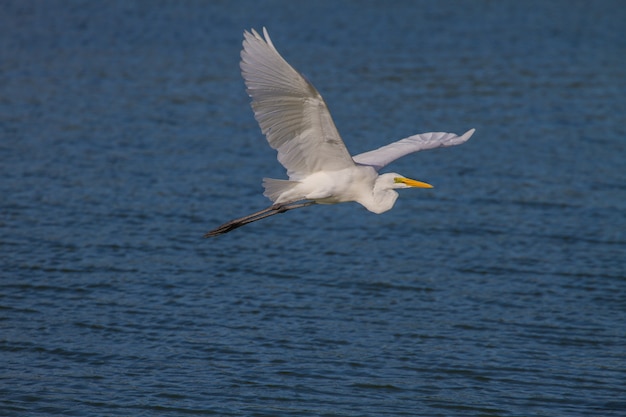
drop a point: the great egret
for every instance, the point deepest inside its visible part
(296, 122)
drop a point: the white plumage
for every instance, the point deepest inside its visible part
(296, 122)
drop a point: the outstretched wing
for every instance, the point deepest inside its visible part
(292, 114)
(380, 157)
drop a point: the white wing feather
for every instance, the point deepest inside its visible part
(292, 114)
(382, 156)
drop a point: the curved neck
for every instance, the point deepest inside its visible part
(381, 199)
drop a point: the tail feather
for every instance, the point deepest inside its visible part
(274, 188)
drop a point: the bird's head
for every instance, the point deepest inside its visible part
(385, 194)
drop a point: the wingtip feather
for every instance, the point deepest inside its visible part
(266, 35)
(468, 134)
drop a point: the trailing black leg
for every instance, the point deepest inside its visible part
(270, 211)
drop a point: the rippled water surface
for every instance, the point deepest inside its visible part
(126, 133)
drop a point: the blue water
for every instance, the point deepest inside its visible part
(126, 134)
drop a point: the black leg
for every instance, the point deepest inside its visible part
(270, 211)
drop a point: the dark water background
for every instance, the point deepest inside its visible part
(125, 134)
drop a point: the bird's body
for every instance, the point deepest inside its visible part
(360, 183)
(296, 122)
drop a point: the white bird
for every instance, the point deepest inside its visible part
(296, 122)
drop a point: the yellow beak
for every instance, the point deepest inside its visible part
(412, 183)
